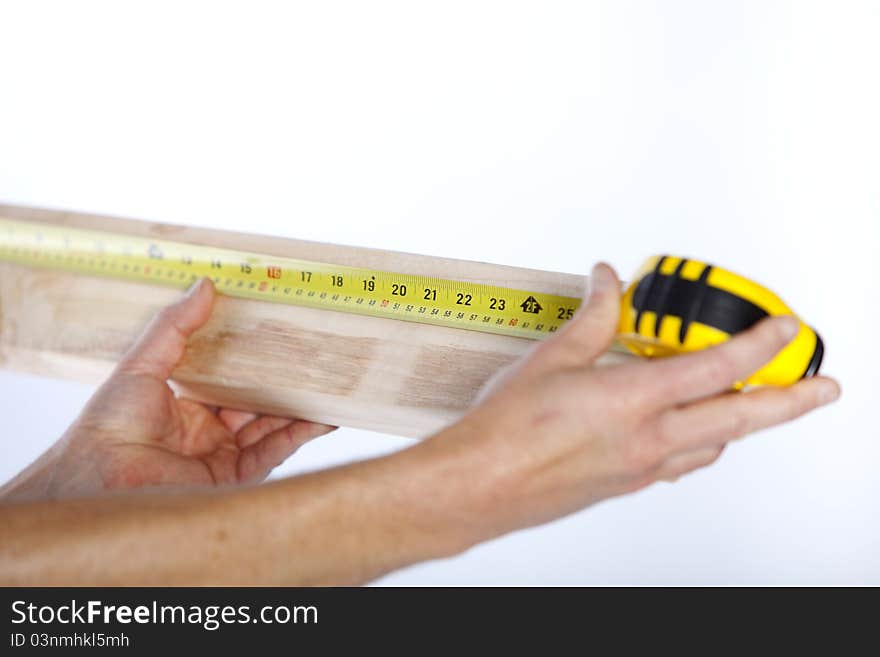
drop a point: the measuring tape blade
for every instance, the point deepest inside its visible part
(362, 291)
(674, 305)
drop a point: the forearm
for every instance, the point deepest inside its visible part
(32, 483)
(346, 525)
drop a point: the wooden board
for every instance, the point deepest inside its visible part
(384, 375)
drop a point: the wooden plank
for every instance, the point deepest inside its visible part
(379, 374)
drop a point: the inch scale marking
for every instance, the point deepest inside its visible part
(422, 299)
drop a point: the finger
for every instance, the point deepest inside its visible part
(732, 416)
(708, 372)
(591, 331)
(235, 420)
(259, 428)
(680, 464)
(256, 461)
(160, 348)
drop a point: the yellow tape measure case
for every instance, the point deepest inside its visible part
(676, 305)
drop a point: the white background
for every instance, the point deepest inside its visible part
(538, 134)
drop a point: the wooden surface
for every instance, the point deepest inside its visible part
(379, 374)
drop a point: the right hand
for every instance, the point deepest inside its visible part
(555, 433)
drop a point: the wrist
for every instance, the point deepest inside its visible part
(458, 487)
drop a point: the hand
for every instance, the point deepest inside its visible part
(136, 432)
(555, 433)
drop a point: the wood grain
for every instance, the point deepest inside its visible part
(379, 374)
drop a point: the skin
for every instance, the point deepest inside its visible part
(146, 488)
(135, 432)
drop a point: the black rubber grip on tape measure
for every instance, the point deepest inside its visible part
(816, 361)
(646, 288)
(696, 304)
(692, 301)
(664, 290)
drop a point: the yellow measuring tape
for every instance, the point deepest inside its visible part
(674, 305)
(423, 299)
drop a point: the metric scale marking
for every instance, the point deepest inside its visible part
(421, 299)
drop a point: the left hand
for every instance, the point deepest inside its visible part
(136, 432)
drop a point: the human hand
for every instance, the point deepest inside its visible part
(136, 432)
(555, 433)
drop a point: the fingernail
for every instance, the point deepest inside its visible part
(828, 393)
(600, 278)
(194, 288)
(789, 326)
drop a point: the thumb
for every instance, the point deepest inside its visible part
(160, 347)
(591, 331)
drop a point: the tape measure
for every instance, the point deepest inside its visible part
(427, 300)
(674, 306)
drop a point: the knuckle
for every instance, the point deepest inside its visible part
(663, 431)
(710, 457)
(167, 315)
(781, 335)
(796, 403)
(739, 424)
(640, 454)
(610, 396)
(766, 338)
(715, 455)
(811, 401)
(720, 365)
